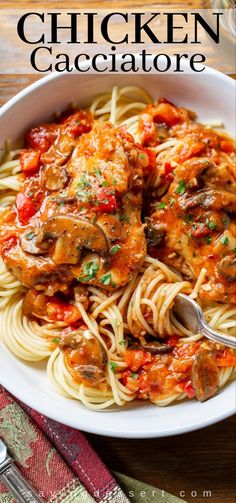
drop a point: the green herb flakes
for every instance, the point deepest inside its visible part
(181, 188)
(162, 206)
(106, 279)
(208, 240)
(224, 240)
(211, 225)
(30, 236)
(113, 366)
(134, 375)
(115, 249)
(90, 271)
(188, 218)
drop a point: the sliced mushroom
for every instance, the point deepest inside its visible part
(111, 227)
(74, 234)
(30, 244)
(55, 178)
(210, 198)
(85, 355)
(227, 267)
(34, 304)
(156, 348)
(205, 375)
(155, 231)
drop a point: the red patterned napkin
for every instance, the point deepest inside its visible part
(57, 460)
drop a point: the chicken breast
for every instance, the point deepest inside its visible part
(81, 219)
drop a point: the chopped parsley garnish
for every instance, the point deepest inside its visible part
(188, 218)
(105, 184)
(123, 218)
(234, 249)
(122, 342)
(134, 375)
(90, 271)
(83, 196)
(172, 201)
(113, 366)
(114, 182)
(115, 249)
(224, 240)
(181, 188)
(78, 123)
(106, 279)
(56, 340)
(208, 239)
(162, 206)
(142, 156)
(30, 236)
(211, 225)
(83, 182)
(97, 172)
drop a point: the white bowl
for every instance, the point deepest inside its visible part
(212, 96)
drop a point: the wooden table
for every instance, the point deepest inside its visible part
(185, 465)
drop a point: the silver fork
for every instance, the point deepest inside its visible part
(12, 478)
(191, 315)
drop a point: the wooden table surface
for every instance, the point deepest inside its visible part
(185, 465)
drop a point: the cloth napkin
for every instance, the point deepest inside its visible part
(60, 463)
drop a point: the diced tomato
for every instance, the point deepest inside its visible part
(173, 340)
(105, 201)
(227, 146)
(165, 112)
(136, 358)
(144, 383)
(42, 137)
(151, 157)
(200, 230)
(226, 359)
(186, 385)
(147, 130)
(57, 311)
(77, 122)
(29, 161)
(168, 173)
(25, 208)
(7, 243)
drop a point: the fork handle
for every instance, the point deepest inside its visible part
(20, 488)
(215, 336)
